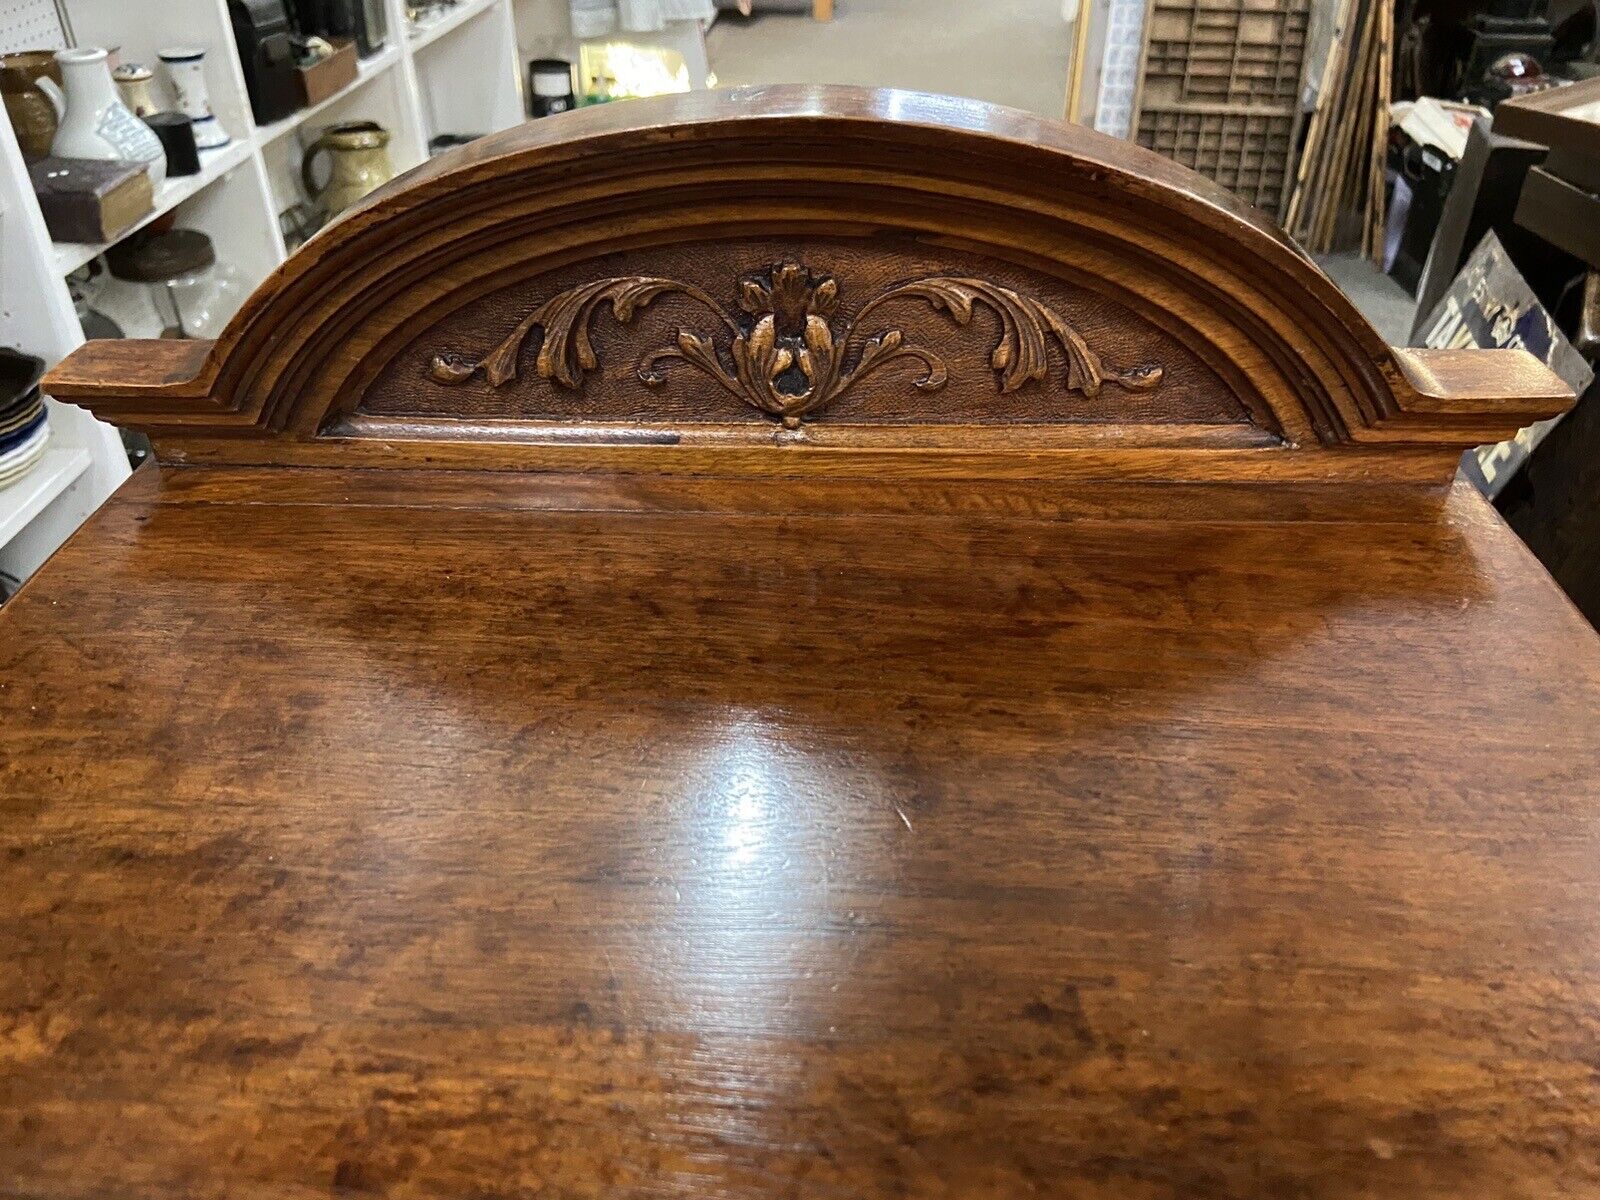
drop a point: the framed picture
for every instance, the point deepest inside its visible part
(1491, 306)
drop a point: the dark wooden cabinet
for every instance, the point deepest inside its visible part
(802, 643)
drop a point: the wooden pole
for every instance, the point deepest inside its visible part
(1080, 54)
(1380, 133)
(1345, 187)
(1316, 128)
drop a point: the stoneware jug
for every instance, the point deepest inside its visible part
(95, 123)
(32, 114)
(358, 162)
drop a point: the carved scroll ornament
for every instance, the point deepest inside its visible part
(790, 355)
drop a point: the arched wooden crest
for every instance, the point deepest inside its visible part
(793, 279)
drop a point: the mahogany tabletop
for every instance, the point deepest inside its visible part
(407, 835)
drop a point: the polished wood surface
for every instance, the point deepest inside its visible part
(795, 280)
(374, 834)
(806, 644)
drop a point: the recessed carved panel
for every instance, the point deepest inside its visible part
(829, 331)
(791, 352)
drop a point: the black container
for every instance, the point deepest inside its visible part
(372, 31)
(19, 380)
(362, 21)
(261, 29)
(1429, 172)
(550, 87)
(176, 132)
(445, 142)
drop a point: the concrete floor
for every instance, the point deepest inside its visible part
(1381, 300)
(1012, 52)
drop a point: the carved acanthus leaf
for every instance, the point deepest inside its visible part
(787, 356)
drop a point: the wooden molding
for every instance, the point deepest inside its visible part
(844, 279)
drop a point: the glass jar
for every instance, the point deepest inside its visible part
(194, 295)
(85, 286)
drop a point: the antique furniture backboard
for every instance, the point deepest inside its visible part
(799, 642)
(965, 287)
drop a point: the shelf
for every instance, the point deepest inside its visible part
(367, 70)
(22, 501)
(421, 35)
(468, 80)
(214, 164)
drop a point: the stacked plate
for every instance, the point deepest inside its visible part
(24, 424)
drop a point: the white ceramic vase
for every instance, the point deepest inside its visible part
(95, 123)
(186, 67)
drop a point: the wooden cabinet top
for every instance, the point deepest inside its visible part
(799, 643)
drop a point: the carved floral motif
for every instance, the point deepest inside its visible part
(790, 354)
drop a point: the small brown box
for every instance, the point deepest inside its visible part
(323, 79)
(90, 200)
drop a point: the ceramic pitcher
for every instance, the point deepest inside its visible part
(32, 114)
(358, 163)
(95, 123)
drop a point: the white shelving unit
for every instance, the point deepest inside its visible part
(461, 73)
(213, 165)
(58, 469)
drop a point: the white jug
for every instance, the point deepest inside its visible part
(187, 67)
(95, 123)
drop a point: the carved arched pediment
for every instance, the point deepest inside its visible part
(772, 273)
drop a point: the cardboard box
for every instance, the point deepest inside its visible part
(331, 75)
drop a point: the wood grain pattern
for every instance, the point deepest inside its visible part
(1138, 261)
(385, 834)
